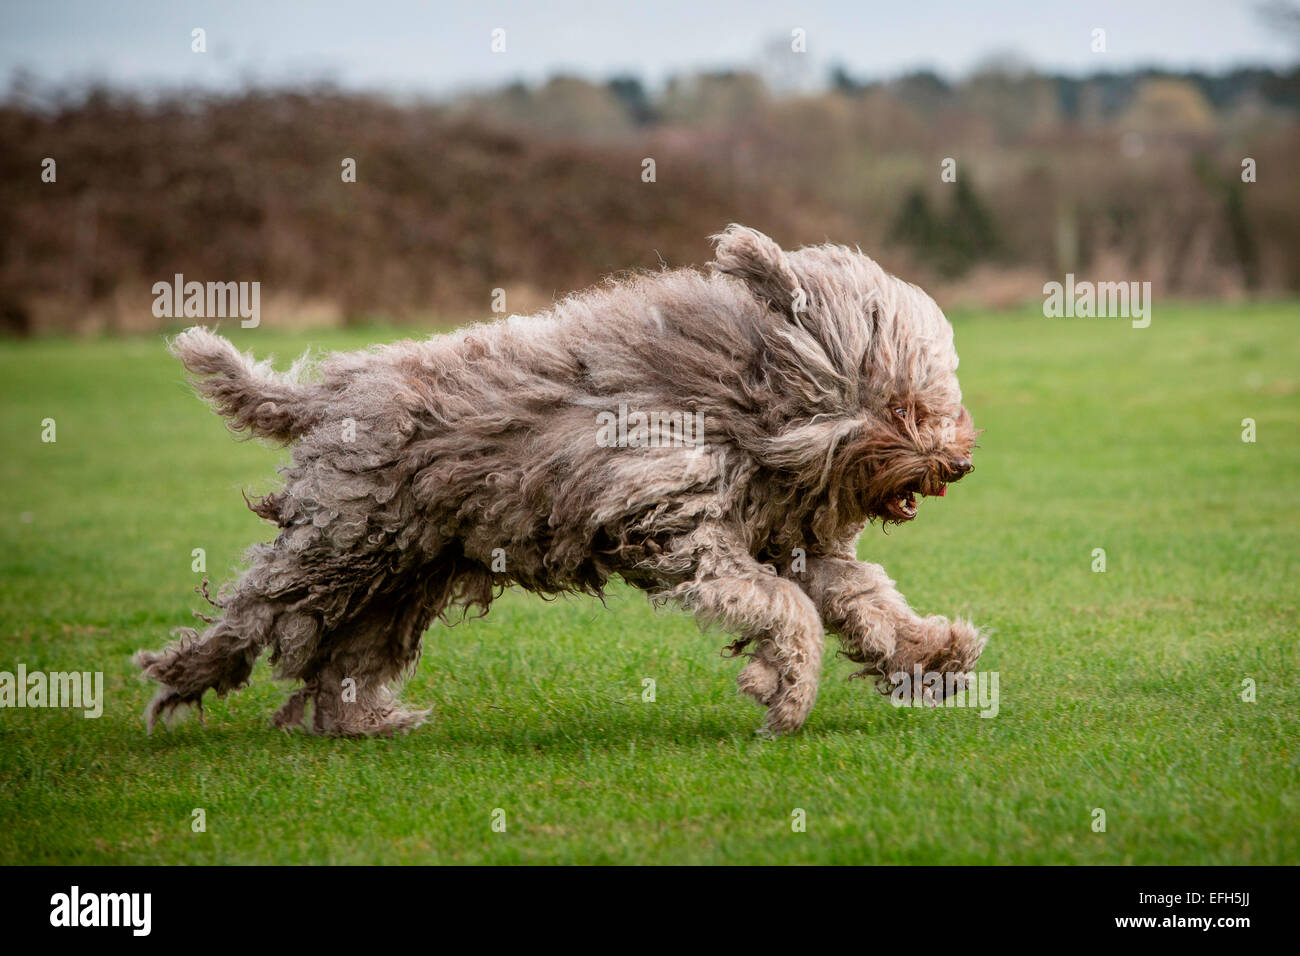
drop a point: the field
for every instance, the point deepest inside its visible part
(1120, 691)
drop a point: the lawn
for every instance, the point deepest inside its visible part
(1120, 691)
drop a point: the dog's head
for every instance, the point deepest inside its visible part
(881, 420)
(911, 448)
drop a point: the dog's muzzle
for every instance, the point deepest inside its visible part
(936, 486)
(959, 468)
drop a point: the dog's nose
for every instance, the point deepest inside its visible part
(960, 467)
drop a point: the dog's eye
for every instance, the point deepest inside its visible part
(901, 412)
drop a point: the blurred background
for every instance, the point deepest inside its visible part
(1104, 139)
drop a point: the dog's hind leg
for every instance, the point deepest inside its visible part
(355, 664)
(349, 681)
(220, 658)
(732, 589)
(314, 611)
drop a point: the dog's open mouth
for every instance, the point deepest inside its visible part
(904, 506)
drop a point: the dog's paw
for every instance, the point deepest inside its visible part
(375, 722)
(760, 680)
(965, 645)
(292, 712)
(936, 645)
(789, 710)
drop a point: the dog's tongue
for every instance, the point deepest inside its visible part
(943, 490)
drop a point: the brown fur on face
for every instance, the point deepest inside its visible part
(426, 476)
(904, 451)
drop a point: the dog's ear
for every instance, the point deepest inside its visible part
(762, 264)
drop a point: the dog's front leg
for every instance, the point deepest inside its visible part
(732, 589)
(859, 602)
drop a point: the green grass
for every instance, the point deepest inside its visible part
(1119, 691)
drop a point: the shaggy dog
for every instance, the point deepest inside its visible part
(557, 450)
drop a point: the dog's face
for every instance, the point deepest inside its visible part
(903, 431)
(912, 449)
(916, 436)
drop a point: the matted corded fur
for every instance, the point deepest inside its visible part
(426, 476)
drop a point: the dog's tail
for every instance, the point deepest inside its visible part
(252, 395)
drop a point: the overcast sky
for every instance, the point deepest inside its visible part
(426, 46)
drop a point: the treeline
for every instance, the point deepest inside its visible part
(1005, 91)
(984, 189)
